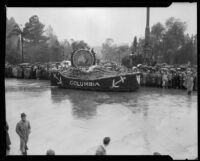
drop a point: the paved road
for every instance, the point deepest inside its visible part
(75, 122)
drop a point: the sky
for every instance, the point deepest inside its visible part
(95, 24)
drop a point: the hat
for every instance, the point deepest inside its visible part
(23, 114)
(106, 140)
(156, 153)
(50, 152)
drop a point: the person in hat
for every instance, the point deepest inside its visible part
(164, 80)
(144, 78)
(50, 152)
(156, 153)
(101, 150)
(23, 129)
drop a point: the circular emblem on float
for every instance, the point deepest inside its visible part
(82, 58)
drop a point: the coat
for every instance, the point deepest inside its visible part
(190, 83)
(38, 73)
(23, 130)
(8, 142)
(101, 150)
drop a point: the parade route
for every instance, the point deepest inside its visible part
(74, 122)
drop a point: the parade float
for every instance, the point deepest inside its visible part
(85, 74)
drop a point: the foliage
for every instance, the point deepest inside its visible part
(37, 53)
(108, 49)
(171, 43)
(157, 34)
(33, 31)
(53, 46)
(76, 45)
(66, 49)
(114, 53)
(134, 46)
(12, 42)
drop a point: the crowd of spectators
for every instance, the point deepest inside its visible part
(30, 71)
(161, 76)
(165, 76)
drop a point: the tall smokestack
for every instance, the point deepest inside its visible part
(147, 30)
(147, 46)
(147, 23)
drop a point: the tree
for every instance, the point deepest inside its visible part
(34, 40)
(113, 52)
(134, 46)
(195, 49)
(173, 38)
(108, 50)
(186, 52)
(54, 48)
(158, 31)
(66, 48)
(126, 61)
(76, 45)
(33, 31)
(157, 34)
(12, 42)
(122, 51)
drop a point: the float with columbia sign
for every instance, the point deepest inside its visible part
(85, 74)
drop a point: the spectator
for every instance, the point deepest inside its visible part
(50, 152)
(169, 76)
(190, 83)
(38, 73)
(156, 153)
(102, 148)
(144, 78)
(164, 80)
(148, 78)
(8, 142)
(23, 129)
(159, 79)
(195, 81)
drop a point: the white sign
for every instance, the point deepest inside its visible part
(83, 84)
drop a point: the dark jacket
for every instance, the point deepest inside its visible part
(101, 150)
(8, 142)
